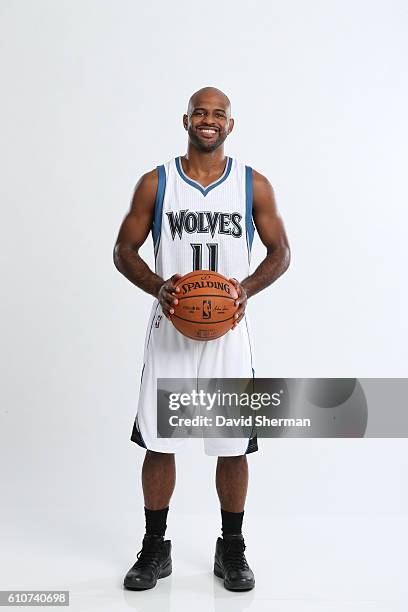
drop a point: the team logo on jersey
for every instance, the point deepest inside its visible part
(206, 222)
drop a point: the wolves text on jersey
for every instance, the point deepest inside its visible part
(205, 222)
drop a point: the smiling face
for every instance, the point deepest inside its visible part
(208, 119)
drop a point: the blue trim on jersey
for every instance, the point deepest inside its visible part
(253, 438)
(250, 347)
(249, 193)
(201, 189)
(151, 325)
(158, 207)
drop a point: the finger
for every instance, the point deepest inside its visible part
(237, 320)
(239, 312)
(169, 295)
(165, 312)
(241, 300)
(173, 289)
(166, 288)
(173, 299)
(174, 279)
(170, 287)
(236, 285)
(167, 299)
(234, 282)
(171, 303)
(168, 312)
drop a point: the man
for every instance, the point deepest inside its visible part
(200, 209)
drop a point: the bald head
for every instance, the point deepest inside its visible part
(209, 92)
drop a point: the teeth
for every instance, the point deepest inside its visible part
(208, 131)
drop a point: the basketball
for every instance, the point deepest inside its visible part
(206, 305)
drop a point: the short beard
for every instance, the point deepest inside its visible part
(203, 147)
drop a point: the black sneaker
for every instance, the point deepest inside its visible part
(231, 565)
(153, 562)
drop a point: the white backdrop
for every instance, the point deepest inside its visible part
(93, 94)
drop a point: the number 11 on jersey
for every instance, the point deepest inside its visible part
(212, 256)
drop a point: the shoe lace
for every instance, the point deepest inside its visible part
(148, 555)
(234, 557)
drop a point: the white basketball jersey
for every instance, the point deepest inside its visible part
(203, 228)
(197, 228)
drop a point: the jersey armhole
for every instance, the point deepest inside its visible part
(249, 195)
(158, 207)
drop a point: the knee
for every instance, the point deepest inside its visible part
(235, 459)
(155, 456)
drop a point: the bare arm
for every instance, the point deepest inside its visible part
(133, 232)
(272, 234)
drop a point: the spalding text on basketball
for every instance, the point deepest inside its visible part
(187, 287)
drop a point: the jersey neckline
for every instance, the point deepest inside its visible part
(196, 184)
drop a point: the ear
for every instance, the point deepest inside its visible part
(231, 126)
(185, 122)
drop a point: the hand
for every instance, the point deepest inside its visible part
(167, 295)
(241, 302)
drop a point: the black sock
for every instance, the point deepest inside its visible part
(156, 521)
(231, 522)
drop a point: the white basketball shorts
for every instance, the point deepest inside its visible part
(169, 354)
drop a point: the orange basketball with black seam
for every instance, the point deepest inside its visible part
(206, 305)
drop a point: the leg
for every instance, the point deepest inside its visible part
(231, 357)
(230, 563)
(232, 482)
(166, 354)
(158, 479)
(154, 560)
